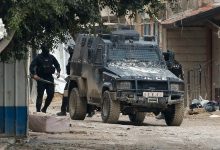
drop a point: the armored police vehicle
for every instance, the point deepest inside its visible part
(122, 73)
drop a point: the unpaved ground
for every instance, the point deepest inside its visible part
(197, 132)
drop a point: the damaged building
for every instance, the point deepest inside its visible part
(191, 29)
(194, 36)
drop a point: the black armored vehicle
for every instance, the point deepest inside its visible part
(122, 73)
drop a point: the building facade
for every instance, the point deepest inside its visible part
(194, 36)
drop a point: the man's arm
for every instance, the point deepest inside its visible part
(68, 65)
(56, 64)
(33, 67)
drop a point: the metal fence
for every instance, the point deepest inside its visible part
(13, 99)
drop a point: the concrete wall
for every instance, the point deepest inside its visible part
(178, 6)
(215, 65)
(139, 25)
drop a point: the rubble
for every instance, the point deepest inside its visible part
(214, 116)
(196, 111)
(201, 105)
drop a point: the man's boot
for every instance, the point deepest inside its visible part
(38, 107)
(160, 116)
(67, 109)
(62, 113)
(91, 113)
(44, 110)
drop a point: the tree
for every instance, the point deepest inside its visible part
(39, 21)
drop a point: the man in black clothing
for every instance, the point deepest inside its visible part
(175, 67)
(65, 100)
(43, 66)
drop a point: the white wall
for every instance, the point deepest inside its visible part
(62, 56)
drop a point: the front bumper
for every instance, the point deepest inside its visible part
(139, 99)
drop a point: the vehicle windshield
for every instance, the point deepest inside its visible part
(141, 53)
(135, 55)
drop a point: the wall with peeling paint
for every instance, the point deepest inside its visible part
(13, 99)
(215, 65)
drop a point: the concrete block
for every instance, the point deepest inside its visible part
(3, 146)
(40, 122)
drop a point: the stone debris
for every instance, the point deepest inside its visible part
(204, 105)
(214, 116)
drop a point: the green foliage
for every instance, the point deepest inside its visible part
(47, 21)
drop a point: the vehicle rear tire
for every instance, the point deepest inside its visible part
(110, 109)
(137, 118)
(174, 114)
(77, 105)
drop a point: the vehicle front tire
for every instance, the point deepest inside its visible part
(110, 109)
(174, 114)
(137, 118)
(77, 105)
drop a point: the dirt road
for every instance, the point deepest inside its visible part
(197, 132)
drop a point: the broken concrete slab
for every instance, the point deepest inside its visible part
(40, 122)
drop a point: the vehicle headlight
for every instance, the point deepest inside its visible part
(174, 87)
(177, 87)
(124, 85)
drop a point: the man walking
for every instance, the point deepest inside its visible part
(65, 100)
(173, 66)
(42, 67)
